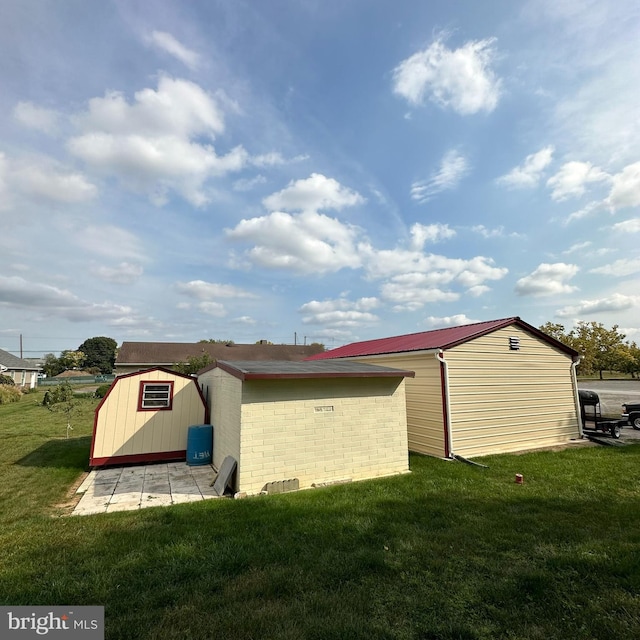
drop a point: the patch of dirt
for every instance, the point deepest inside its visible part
(71, 499)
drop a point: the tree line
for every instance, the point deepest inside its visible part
(601, 349)
(95, 355)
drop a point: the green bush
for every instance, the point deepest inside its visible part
(9, 394)
(101, 391)
(8, 380)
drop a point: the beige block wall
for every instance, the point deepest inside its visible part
(123, 430)
(503, 400)
(289, 432)
(224, 396)
(425, 422)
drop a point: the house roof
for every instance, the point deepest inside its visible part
(286, 370)
(436, 339)
(14, 363)
(168, 353)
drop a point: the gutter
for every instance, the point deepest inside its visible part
(576, 397)
(444, 376)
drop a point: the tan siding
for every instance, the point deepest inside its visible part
(286, 434)
(503, 400)
(425, 421)
(123, 430)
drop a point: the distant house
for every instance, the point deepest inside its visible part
(23, 372)
(482, 388)
(135, 356)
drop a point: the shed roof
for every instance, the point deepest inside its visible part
(168, 353)
(14, 363)
(282, 370)
(436, 339)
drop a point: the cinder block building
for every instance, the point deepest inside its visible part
(315, 422)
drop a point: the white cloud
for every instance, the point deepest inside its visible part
(211, 308)
(616, 302)
(453, 167)
(109, 241)
(628, 226)
(411, 296)
(173, 47)
(625, 190)
(18, 293)
(460, 79)
(35, 117)
(529, 172)
(312, 194)
(340, 313)
(48, 180)
(420, 234)
(40, 177)
(247, 184)
(478, 290)
(156, 144)
(578, 246)
(619, 268)
(547, 280)
(206, 291)
(305, 243)
(124, 273)
(573, 178)
(448, 321)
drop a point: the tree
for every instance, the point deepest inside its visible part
(99, 352)
(601, 348)
(215, 341)
(71, 359)
(61, 399)
(52, 366)
(193, 364)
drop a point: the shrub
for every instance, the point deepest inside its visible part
(9, 394)
(8, 380)
(101, 391)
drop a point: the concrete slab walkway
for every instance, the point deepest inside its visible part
(128, 488)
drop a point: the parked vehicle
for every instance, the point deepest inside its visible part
(591, 415)
(631, 413)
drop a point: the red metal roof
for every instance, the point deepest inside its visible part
(436, 339)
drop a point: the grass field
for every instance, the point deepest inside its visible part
(448, 551)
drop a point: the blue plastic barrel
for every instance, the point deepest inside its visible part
(199, 444)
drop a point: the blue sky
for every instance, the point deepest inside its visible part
(333, 170)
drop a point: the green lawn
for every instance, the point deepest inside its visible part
(448, 551)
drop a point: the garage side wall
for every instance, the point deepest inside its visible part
(322, 430)
(425, 416)
(224, 395)
(510, 400)
(122, 430)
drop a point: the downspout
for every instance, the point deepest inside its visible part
(576, 397)
(444, 379)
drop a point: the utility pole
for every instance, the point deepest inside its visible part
(20, 346)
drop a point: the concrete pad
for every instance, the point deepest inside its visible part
(132, 488)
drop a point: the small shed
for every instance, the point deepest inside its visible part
(306, 422)
(145, 417)
(482, 388)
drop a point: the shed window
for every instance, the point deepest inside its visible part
(155, 396)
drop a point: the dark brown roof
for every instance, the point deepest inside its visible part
(285, 370)
(436, 339)
(168, 353)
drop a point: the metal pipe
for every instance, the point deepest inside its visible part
(445, 392)
(576, 397)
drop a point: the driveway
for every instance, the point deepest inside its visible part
(612, 394)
